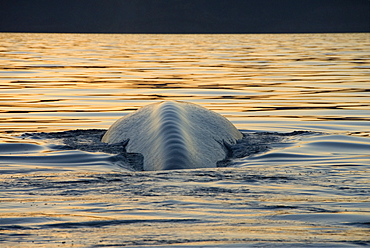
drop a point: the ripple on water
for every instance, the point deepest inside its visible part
(279, 189)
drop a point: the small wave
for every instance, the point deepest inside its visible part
(19, 148)
(341, 218)
(104, 223)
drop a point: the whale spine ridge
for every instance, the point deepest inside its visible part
(175, 152)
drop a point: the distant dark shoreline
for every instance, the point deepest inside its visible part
(32, 32)
(185, 16)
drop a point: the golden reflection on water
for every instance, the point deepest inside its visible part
(67, 81)
(273, 212)
(282, 82)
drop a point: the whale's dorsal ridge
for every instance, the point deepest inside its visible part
(175, 135)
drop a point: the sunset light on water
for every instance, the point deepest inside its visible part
(302, 99)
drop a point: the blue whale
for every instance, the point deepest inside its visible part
(175, 135)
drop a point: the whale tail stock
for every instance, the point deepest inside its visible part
(175, 135)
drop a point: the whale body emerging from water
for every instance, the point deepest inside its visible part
(175, 135)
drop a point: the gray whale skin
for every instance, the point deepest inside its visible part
(175, 135)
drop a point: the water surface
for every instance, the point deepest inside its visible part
(302, 99)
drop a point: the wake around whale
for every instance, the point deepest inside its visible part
(175, 135)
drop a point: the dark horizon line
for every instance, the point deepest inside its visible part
(87, 32)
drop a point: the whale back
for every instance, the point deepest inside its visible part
(174, 135)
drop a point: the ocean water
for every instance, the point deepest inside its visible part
(301, 177)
